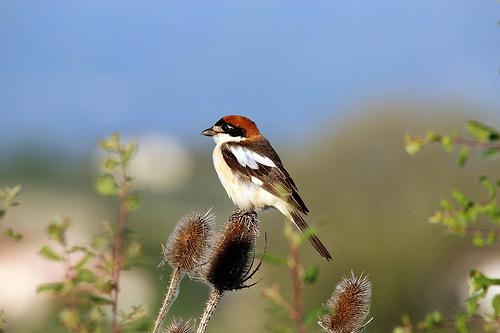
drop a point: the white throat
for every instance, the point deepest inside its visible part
(221, 138)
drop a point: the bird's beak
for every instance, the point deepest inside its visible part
(209, 132)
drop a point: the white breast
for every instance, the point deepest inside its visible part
(247, 195)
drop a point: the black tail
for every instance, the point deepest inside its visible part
(313, 239)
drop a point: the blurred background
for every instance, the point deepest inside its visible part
(333, 85)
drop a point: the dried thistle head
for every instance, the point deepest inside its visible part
(179, 326)
(232, 255)
(190, 242)
(349, 305)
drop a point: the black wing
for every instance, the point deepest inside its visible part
(275, 179)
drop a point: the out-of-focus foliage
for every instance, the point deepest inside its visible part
(460, 219)
(91, 272)
(8, 199)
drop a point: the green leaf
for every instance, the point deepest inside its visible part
(78, 248)
(436, 218)
(432, 320)
(55, 231)
(437, 316)
(491, 238)
(275, 259)
(311, 274)
(69, 318)
(106, 185)
(57, 228)
(2, 322)
(433, 137)
(10, 234)
(471, 303)
(480, 282)
(312, 315)
(490, 154)
(134, 201)
(413, 145)
(128, 152)
(461, 322)
(104, 286)
(481, 132)
(49, 253)
(446, 205)
(447, 143)
(111, 144)
(8, 194)
(85, 275)
(134, 249)
(464, 154)
(96, 299)
(111, 163)
(14, 191)
(461, 199)
(478, 240)
(51, 287)
(495, 303)
(489, 185)
(84, 260)
(405, 319)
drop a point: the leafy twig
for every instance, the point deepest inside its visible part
(458, 221)
(8, 198)
(120, 156)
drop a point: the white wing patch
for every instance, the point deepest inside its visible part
(247, 157)
(257, 181)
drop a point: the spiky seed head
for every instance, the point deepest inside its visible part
(190, 242)
(232, 254)
(348, 306)
(179, 326)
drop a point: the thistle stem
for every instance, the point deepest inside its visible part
(170, 297)
(213, 301)
(69, 275)
(297, 283)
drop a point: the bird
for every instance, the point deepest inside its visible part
(253, 175)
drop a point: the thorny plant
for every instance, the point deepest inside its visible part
(345, 311)
(348, 306)
(231, 260)
(90, 286)
(224, 262)
(186, 250)
(229, 265)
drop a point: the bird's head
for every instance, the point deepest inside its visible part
(232, 128)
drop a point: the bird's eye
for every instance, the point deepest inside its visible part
(226, 128)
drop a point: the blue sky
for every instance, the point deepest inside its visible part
(73, 71)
